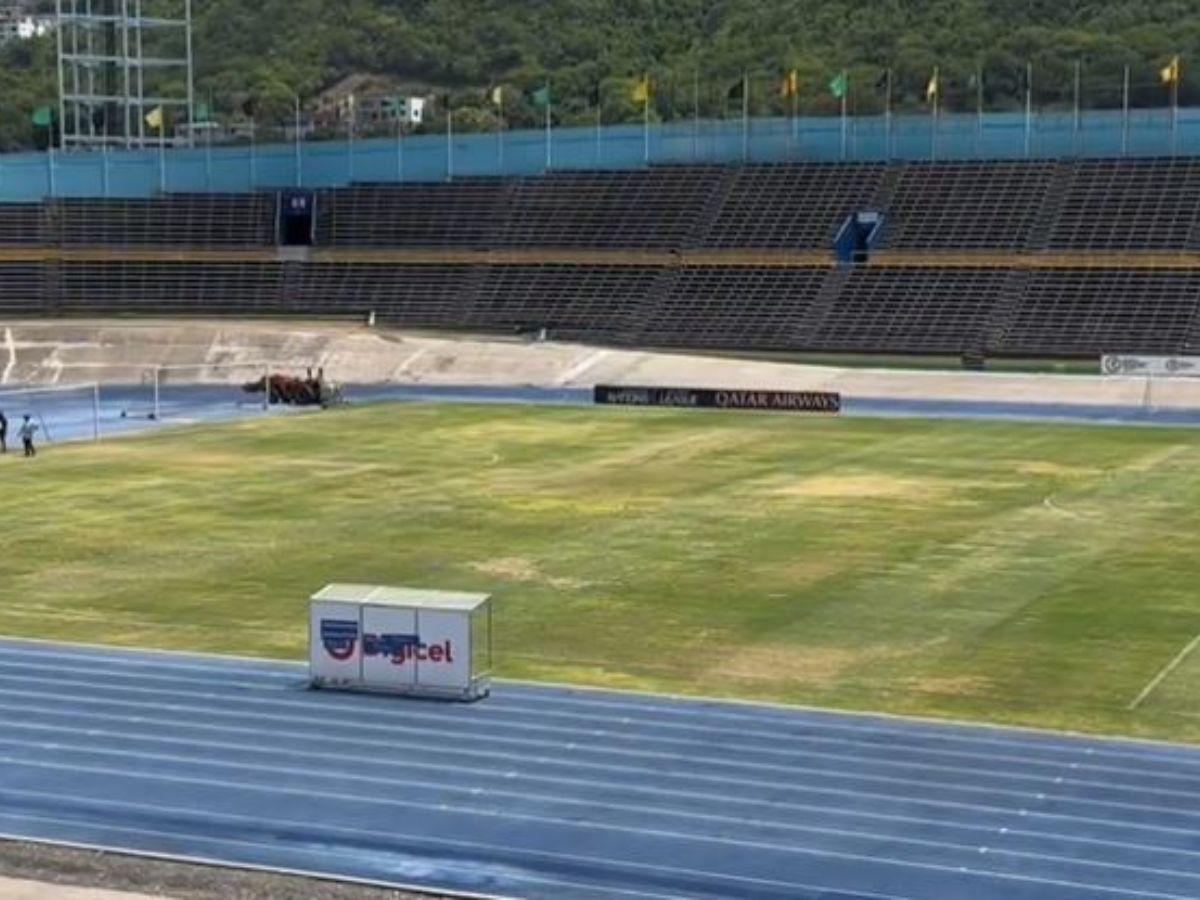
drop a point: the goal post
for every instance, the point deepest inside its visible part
(61, 412)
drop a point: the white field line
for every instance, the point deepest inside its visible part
(562, 825)
(1166, 671)
(11, 345)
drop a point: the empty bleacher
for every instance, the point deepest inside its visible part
(761, 308)
(428, 296)
(796, 206)
(649, 209)
(194, 221)
(570, 302)
(910, 310)
(21, 225)
(169, 288)
(466, 213)
(22, 288)
(1088, 312)
(966, 205)
(1130, 204)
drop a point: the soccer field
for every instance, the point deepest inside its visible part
(1016, 573)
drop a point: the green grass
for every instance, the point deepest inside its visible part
(1031, 574)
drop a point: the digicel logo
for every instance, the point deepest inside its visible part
(400, 648)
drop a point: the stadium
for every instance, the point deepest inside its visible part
(771, 506)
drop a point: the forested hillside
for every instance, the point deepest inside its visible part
(253, 53)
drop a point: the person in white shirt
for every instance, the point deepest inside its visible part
(27, 431)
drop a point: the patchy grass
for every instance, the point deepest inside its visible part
(1035, 574)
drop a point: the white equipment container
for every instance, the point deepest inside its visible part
(400, 640)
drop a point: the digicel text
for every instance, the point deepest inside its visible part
(405, 647)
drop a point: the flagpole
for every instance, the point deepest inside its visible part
(400, 145)
(745, 115)
(937, 91)
(1175, 105)
(449, 140)
(500, 131)
(794, 87)
(208, 143)
(978, 111)
(696, 114)
(1075, 119)
(599, 121)
(1125, 115)
(646, 119)
(299, 150)
(162, 151)
(887, 115)
(845, 120)
(1028, 107)
(253, 166)
(549, 147)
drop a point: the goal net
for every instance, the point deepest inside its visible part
(59, 413)
(195, 392)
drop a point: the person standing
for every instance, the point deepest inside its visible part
(28, 429)
(3, 433)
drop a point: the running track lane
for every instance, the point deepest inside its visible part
(556, 793)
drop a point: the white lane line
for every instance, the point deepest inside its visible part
(550, 747)
(560, 823)
(590, 741)
(880, 723)
(1166, 670)
(623, 771)
(455, 784)
(984, 760)
(275, 848)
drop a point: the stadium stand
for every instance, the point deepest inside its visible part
(169, 287)
(793, 205)
(651, 209)
(21, 224)
(1087, 312)
(571, 302)
(1020, 258)
(1143, 204)
(466, 213)
(196, 221)
(911, 310)
(752, 308)
(966, 205)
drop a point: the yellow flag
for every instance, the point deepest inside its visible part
(790, 86)
(641, 90)
(498, 95)
(932, 89)
(1170, 73)
(154, 118)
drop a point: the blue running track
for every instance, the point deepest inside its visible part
(554, 793)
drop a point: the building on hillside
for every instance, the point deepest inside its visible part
(19, 22)
(371, 101)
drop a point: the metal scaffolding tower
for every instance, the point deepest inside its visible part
(118, 62)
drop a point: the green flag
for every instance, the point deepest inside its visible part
(43, 116)
(837, 85)
(203, 112)
(541, 97)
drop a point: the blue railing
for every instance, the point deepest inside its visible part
(432, 157)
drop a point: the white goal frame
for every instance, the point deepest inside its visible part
(93, 386)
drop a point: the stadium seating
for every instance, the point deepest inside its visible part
(796, 206)
(1031, 257)
(465, 213)
(1088, 312)
(203, 221)
(1114, 205)
(751, 308)
(652, 209)
(966, 205)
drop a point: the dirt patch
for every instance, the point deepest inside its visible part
(862, 487)
(812, 666)
(1044, 467)
(950, 685)
(516, 568)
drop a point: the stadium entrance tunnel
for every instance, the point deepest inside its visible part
(857, 236)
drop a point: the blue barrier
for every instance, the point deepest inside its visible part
(431, 157)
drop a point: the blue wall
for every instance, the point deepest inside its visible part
(30, 176)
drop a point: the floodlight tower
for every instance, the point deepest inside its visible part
(118, 62)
